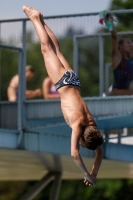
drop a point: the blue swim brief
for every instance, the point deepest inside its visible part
(69, 78)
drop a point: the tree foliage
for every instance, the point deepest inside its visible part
(107, 189)
(125, 20)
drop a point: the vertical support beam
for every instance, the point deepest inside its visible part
(23, 72)
(75, 55)
(22, 86)
(0, 65)
(56, 187)
(20, 94)
(106, 133)
(125, 131)
(20, 99)
(101, 65)
(38, 187)
(119, 132)
(107, 77)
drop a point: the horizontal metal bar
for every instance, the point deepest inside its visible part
(125, 11)
(45, 126)
(71, 15)
(52, 17)
(127, 97)
(2, 130)
(85, 98)
(11, 47)
(49, 17)
(102, 34)
(122, 136)
(7, 102)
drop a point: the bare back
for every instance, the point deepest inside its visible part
(73, 106)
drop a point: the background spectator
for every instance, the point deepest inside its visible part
(122, 54)
(48, 89)
(12, 90)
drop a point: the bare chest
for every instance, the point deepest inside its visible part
(73, 112)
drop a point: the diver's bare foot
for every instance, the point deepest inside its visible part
(31, 12)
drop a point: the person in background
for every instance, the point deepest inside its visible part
(49, 90)
(12, 91)
(122, 61)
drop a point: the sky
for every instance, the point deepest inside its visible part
(10, 9)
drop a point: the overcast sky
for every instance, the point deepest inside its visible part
(10, 9)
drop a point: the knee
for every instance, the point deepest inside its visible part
(45, 48)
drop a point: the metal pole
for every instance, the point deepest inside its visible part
(22, 88)
(23, 83)
(20, 100)
(75, 55)
(107, 77)
(74, 15)
(0, 65)
(101, 64)
(103, 34)
(11, 47)
(56, 187)
(38, 187)
(106, 133)
(119, 132)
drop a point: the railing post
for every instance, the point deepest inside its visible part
(0, 65)
(107, 78)
(119, 132)
(75, 55)
(101, 64)
(20, 94)
(23, 83)
(22, 87)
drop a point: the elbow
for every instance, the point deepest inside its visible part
(74, 154)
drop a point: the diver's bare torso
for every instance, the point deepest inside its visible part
(73, 107)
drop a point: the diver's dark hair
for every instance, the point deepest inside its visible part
(93, 137)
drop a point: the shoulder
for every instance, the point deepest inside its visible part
(14, 81)
(116, 60)
(46, 81)
(77, 124)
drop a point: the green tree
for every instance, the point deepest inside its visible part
(121, 4)
(125, 20)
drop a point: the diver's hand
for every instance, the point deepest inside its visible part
(91, 181)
